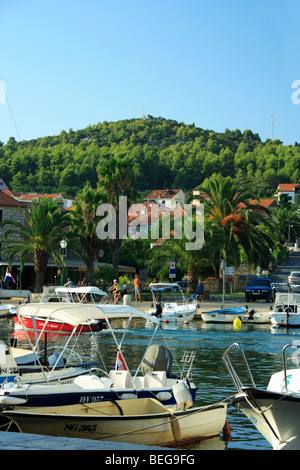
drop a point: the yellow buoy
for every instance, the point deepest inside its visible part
(237, 323)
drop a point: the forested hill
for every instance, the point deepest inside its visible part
(166, 153)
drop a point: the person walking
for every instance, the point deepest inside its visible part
(200, 291)
(137, 288)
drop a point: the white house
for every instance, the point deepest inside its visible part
(28, 197)
(171, 198)
(289, 189)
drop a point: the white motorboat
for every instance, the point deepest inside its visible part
(230, 314)
(82, 295)
(286, 309)
(142, 421)
(223, 315)
(19, 365)
(171, 311)
(274, 411)
(256, 316)
(102, 384)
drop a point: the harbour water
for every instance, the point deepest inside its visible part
(262, 345)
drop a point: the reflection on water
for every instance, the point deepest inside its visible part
(262, 345)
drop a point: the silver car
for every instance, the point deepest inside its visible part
(294, 277)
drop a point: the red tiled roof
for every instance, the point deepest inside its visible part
(29, 197)
(264, 202)
(8, 201)
(287, 186)
(162, 194)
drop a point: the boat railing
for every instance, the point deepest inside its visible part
(187, 361)
(232, 372)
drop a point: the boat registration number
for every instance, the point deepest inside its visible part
(81, 427)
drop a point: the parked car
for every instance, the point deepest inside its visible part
(294, 277)
(259, 288)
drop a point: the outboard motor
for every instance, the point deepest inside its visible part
(158, 310)
(251, 314)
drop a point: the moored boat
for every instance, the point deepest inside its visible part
(136, 421)
(223, 315)
(79, 295)
(180, 310)
(286, 309)
(102, 384)
(274, 411)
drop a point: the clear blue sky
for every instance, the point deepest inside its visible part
(218, 64)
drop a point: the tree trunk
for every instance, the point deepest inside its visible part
(90, 268)
(192, 278)
(40, 266)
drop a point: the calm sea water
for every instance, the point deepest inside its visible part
(262, 345)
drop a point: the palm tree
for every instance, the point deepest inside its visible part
(84, 225)
(233, 210)
(116, 178)
(191, 262)
(285, 223)
(40, 237)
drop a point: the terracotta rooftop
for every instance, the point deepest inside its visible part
(29, 197)
(8, 201)
(162, 194)
(287, 186)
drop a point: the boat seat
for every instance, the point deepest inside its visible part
(92, 382)
(121, 379)
(155, 379)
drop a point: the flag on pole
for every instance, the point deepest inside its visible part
(120, 362)
(8, 276)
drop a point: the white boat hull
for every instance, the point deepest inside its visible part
(92, 389)
(142, 421)
(275, 415)
(258, 317)
(223, 315)
(174, 312)
(216, 316)
(284, 319)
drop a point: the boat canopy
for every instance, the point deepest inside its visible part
(80, 290)
(163, 284)
(74, 314)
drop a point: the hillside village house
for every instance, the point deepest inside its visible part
(288, 189)
(10, 203)
(171, 198)
(142, 223)
(12, 209)
(27, 198)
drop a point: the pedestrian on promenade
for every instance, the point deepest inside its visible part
(137, 288)
(200, 291)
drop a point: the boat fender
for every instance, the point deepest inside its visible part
(175, 427)
(166, 321)
(237, 323)
(7, 400)
(128, 396)
(163, 396)
(182, 395)
(227, 431)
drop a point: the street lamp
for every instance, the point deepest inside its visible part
(63, 247)
(289, 237)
